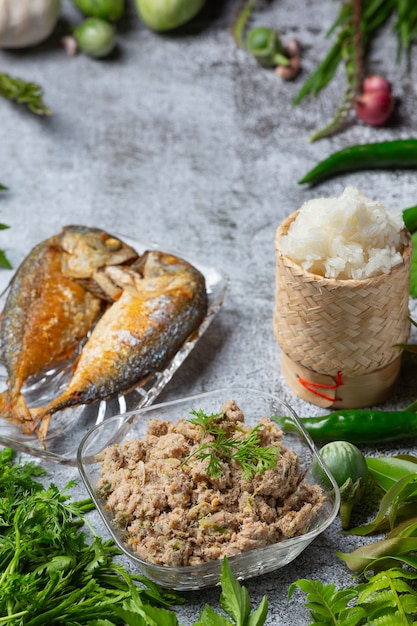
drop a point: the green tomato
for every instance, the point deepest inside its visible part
(162, 15)
(95, 37)
(344, 460)
(111, 10)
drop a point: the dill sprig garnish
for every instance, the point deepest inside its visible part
(23, 92)
(246, 452)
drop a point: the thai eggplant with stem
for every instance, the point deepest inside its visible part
(264, 44)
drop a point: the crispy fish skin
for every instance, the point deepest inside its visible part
(164, 300)
(47, 313)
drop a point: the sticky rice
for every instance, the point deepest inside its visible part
(345, 237)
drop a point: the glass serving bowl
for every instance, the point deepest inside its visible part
(254, 404)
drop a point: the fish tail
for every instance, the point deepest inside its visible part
(42, 429)
(14, 408)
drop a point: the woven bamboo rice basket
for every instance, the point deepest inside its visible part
(339, 338)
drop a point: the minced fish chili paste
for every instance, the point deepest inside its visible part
(175, 514)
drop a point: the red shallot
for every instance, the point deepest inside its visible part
(376, 103)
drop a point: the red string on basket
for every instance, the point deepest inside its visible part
(314, 387)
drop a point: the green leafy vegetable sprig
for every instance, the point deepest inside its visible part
(217, 446)
(387, 598)
(49, 572)
(23, 92)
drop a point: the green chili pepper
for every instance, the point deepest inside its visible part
(357, 426)
(400, 153)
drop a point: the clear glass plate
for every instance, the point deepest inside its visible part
(254, 404)
(68, 427)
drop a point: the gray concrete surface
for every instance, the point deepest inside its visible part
(183, 140)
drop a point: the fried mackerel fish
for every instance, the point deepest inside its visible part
(85, 295)
(48, 310)
(196, 490)
(163, 300)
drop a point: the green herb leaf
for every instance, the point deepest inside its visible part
(4, 261)
(210, 617)
(23, 92)
(252, 457)
(219, 448)
(326, 603)
(235, 601)
(234, 598)
(379, 554)
(385, 598)
(387, 470)
(413, 267)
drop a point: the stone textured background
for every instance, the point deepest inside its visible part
(182, 139)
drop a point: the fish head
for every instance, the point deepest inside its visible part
(87, 249)
(152, 274)
(155, 263)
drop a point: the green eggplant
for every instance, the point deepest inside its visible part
(163, 15)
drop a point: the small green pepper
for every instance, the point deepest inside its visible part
(400, 153)
(357, 426)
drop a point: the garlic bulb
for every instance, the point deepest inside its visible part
(27, 22)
